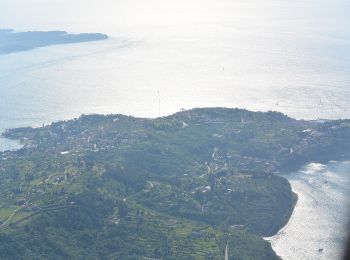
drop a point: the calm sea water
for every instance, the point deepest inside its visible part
(290, 56)
(320, 216)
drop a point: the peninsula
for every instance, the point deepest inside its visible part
(192, 185)
(11, 41)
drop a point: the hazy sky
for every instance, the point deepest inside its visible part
(128, 16)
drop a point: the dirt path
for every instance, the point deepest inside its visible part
(10, 217)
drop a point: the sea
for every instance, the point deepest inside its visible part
(291, 56)
(319, 226)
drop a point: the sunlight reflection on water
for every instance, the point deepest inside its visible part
(317, 228)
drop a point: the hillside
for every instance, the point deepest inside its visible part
(177, 187)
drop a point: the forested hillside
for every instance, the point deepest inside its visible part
(177, 187)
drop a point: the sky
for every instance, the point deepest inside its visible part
(128, 16)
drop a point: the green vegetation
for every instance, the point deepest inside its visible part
(178, 187)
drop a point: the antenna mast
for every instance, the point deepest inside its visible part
(158, 103)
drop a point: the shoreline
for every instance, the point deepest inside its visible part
(280, 231)
(7, 144)
(318, 216)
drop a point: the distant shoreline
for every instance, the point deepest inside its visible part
(13, 42)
